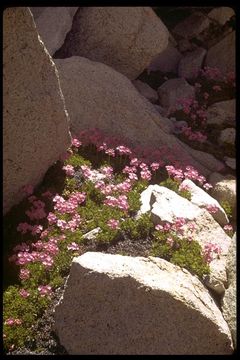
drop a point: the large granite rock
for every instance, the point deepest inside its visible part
(191, 63)
(98, 96)
(125, 38)
(116, 304)
(173, 90)
(222, 113)
(222, 55)
(202, 199)
(53, 23)
(165, 206)
(167, 61)
(229, 301)
(221, 14)
(191, 26)
(35, 122)
(146, 91)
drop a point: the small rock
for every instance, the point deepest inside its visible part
(166, 61)
(222, 113)
(191, 63)
(91, 235)
(146, 91)
(173, 90)
(221, 14)
(202, 199)
(227, 136)
(191, 26)
(225, 190)
(185, 45)
(222, 55)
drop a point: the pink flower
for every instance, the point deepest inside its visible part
(212, 209)
(37, 229)
(45, 290)
(159, 227)
(110, 152)
(183, 187)
(76, 142)
(146, 175)
(24, 274)
(69, 170)
(228, 227)
(207, 186)
(217, 88)
(154, 166)
(24, 293)
(123, 150)
(12, 321)
(209, 249)
(73, 246)
(113, 224)
(52, 219)
(134, 162)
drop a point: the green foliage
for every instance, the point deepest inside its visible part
(137, 228)
(184, 253)
(77, 160)
(174, 186)
(227, 208)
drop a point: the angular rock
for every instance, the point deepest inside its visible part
(146, 91)
(227, 136)
(91, 235)
(53, 23)
(98, 96)
(166, 205)
(35, 122)
(231, 162)
(202, 199)
(225, 190)
(166, 61)
(221, 14)
(185, 45)
(191, 26)
(191, 63)
(229, 301)
(215, 177)
(137, 306)
(222, 113)
(173, 90)
(222, 55)
(125, 38)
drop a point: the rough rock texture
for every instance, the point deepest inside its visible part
(221, 14)
(191, 26)
(173, 90)
(229, 302)
(35, 122)
(117, 304)
(231, 162)
(108, 100)
(222, 113)
(225, 190)
(215, 177)
(166, 205)
(222, 55)
(146, 91)
(125, 38)
(167, 61)
(191, 63)
(202, 199)
(53, 23)
(227, 136)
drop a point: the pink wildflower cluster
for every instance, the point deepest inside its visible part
(45, 290)
(120, 202)
(25, 227)
(37, 211)
(71, 225)
(211, 73)
(67, 206)
(180, 227)
(113, 224)
(76, 142)
(12, 322)
(212, 209)
(228, 228)
(69, 170)
(209, 250)
(24, 293)
(73, 246)
(190, 173)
